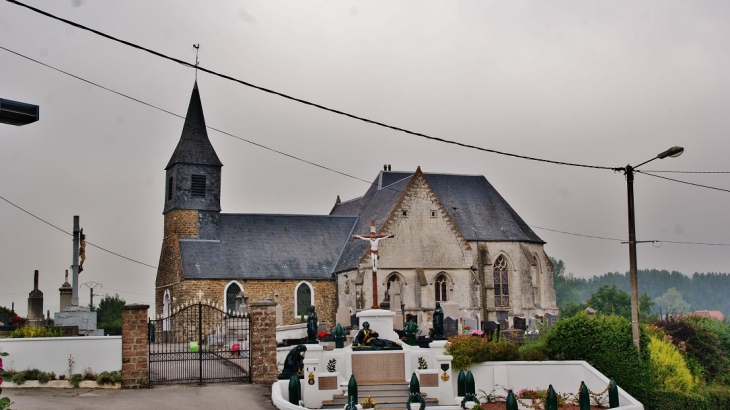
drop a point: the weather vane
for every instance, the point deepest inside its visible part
(197, 49)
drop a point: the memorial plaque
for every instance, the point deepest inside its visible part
(451, 327)
(328, 383)
(429, 380)
(519, 323)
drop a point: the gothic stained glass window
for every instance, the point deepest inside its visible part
(441, 295)
(304, 299)
(501, 282)
(231, 293)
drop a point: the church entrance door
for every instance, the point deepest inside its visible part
(200, 343)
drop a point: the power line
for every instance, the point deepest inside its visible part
(692, 172)
(576, 234)
(683, 182)
(302, 101)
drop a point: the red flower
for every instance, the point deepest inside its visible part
(235, 347)
(322, 334)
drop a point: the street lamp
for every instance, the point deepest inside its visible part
(634, 284)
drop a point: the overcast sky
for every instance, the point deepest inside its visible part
(604, 83)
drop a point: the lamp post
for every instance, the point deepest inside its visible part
(629, 171)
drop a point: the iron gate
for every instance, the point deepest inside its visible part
(200, 343)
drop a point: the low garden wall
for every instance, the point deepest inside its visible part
(51, 354)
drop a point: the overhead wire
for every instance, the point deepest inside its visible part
(300, 100)
(258, 145)
(683, 182)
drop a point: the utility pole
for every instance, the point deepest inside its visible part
(91, 285)
(75, 266)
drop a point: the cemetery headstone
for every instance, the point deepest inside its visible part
(519, 323)
(343, 316)
(354, 321)
(491, 329)
(472, 323)
(503, 324)
(450, 309)
(451, 327)
(551, 319)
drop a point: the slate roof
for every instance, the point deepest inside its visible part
(256, 246)
(478, 210)
(194, 146)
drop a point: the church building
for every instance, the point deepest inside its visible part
(456, 241)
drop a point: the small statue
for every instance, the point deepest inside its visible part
(294, 363)
(411, 329)
(312, 326)
(438, 323)
(367, 338)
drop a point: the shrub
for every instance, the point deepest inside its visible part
(703, 398)
(468, 350)
(668, 366)
(699, 342)
(43, 378)
(606, 343)
(109, 378)
(533, 352)
(19, 378)
(75, 380)
(28, 332)
(502, 351)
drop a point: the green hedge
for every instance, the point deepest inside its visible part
(606, 343)
(704, 398)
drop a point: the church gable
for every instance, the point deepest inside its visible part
(426, 235)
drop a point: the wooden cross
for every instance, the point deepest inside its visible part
(374, 239)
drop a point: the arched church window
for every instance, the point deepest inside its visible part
(231, 292)
(303, 299)
(501, 282)
(440, 285)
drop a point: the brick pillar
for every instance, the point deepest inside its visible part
(135, 351)
(263, 342)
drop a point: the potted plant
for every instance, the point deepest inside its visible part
(467, 329)
(368, 403)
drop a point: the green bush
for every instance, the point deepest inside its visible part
(668, 366)
(28, 332)
(698, 341)
(468, 350)
(19, 378)
(606, 343)
(75, 380)
(109, 377)
(533, 352)
(703, 398)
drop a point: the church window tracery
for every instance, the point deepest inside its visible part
(501, 282)
(441, 291)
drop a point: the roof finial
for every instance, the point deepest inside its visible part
(197, 48)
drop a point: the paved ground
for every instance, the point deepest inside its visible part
(214, 396)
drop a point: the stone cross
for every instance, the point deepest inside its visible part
(200, 295)
(374, 239)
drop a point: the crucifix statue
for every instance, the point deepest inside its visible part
(374, 239)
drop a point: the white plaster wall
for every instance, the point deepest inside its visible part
(51, 354)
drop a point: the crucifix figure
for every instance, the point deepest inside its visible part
(374, 239)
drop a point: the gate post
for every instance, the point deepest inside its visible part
(135, 348)
(263, 342)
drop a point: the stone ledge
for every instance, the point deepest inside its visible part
(59, 384)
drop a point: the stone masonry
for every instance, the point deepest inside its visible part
(135, 351)
(263, 342)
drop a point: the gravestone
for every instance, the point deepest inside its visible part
(451, 327)
(472, 323)
(343, 316)
(425, 329)
(519, 323)
(503, 324)
(354, 321)
(395, 302)
(551, 319)
(491, 329)
(531, 324)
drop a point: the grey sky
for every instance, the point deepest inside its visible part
(604, 83)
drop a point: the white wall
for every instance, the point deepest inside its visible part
(51, 354)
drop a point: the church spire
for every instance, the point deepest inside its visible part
(194, 146)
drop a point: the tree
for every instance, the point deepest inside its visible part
(570, 309)
(109, 314)
(567, 287)
(611, 300)
(671, 302)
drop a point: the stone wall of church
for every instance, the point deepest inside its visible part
(183, 222)
(179, 223)
(325, 299)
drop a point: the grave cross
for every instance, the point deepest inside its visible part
(374, 239)
(200, 295)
